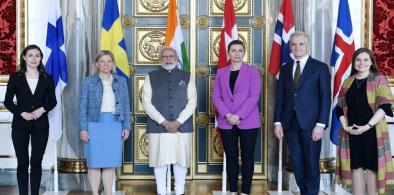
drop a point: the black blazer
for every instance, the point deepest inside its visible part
(44, 96)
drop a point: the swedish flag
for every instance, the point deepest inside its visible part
(112, 37)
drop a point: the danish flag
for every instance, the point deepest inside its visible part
(228, 33)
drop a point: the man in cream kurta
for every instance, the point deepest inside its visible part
(169, 98)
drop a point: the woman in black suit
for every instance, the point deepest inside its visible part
(35, 97)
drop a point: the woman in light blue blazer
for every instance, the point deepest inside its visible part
(104, 119)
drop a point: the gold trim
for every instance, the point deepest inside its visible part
(146, 9)
(193, 59)
(261, 69)
(128, 168)
(211, 83)
(202, 70)
(184, 21)
(3, 109)
(257, 22)
(138, 84)
(148, 42)
(367, 20)
(141, 147)
(128, 21)
(326, 165)
(202, 21)
(4, 80)
(202, 119)
(215, 148)
(241, 7)
(72, 165)
(202, 168)
(391, 81)
(258, 168)
(132, 70)
(265, 101)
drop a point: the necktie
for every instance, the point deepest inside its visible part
(297, 74)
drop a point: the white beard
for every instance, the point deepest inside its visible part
(168, 66)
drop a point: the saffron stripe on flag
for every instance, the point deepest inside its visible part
(174, 37)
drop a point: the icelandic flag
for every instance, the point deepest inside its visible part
(112, 37)
(56, 65)
(280, 52)
(341, 60)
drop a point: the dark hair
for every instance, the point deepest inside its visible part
(22, 62)
(373, 68)
(235, 42)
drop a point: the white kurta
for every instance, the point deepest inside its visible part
(169, 148)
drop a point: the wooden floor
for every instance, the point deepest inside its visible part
(148, 187)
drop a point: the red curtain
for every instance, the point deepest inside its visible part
(7, 36)
(383, 35)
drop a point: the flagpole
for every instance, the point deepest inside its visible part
(55, 172)
(280, 167)
(169, 179)
(114, 181)
(224, 173)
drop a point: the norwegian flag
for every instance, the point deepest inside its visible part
(341, 59)
(280, 52)
(227, 34)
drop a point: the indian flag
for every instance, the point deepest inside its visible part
(174, 36)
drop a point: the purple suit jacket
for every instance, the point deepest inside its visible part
(244, 100)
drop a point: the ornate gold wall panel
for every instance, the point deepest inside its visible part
(148, 41)
(151, 7)
(144, 25)
(138, 83)
(215, 150)
(241, 7)
(211, 83)
(244, 34)
(141, 151)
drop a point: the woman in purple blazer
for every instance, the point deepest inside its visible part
(235, 95)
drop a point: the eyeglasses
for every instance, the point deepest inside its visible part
(171, 56)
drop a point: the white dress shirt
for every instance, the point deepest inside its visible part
(108, 102)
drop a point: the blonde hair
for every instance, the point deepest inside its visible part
(101, 54)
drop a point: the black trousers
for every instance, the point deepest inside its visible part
(39, 140)
(247, 144)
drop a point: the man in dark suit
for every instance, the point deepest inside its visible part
(302, 108)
